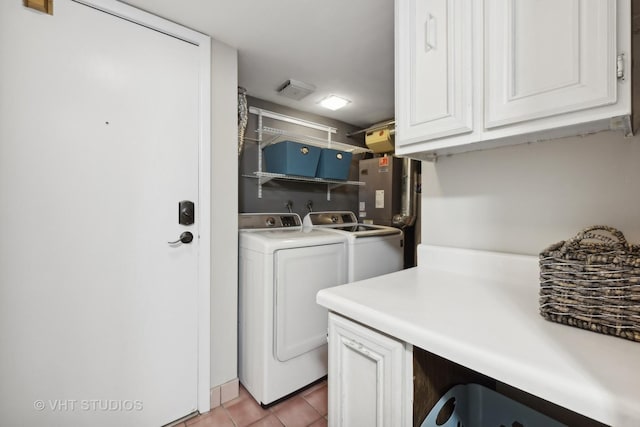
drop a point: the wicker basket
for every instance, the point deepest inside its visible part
(592, 281)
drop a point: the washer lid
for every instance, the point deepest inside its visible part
(347, 222)
(269, 241)
(368, 230)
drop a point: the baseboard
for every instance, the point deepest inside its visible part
(225, 392)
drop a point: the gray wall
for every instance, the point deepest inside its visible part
(520, 199)
(276, 193)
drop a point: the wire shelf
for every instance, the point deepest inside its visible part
(265, 177)
(269, 135)
(273, 136)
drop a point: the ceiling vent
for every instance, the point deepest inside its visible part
(295, 89)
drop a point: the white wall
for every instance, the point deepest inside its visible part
(522, 198)
(224, 214)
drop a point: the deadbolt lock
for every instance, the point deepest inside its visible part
(186, 213)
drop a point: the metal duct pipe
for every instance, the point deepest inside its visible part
(243, 117)
(409, 198)
(391, 124)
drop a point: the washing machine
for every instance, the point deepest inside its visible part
(373, 250)
(282, 331)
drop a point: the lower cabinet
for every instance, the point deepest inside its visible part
(370, 377)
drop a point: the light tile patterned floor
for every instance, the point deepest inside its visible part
(306, 409)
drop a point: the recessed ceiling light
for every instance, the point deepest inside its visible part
(333, 102)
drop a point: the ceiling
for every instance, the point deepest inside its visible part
(342, 47)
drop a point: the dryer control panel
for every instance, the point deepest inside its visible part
(330, 219)
(260, 221)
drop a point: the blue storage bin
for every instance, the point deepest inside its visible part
(334, 164)
(478, 406)
(291, 158)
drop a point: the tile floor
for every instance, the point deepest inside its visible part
(306, 409)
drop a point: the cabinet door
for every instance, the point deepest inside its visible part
(547, 57)
(433, 69)
(370, 377)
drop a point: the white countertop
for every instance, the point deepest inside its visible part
(480, 309)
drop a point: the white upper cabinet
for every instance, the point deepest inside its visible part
(547, 57)
(435, 36)
(478, 74)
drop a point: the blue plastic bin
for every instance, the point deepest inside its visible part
(478, 406)
(291, 158)
(334, 164)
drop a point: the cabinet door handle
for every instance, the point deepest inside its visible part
(430, 40)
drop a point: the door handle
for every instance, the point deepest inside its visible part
(185, 237)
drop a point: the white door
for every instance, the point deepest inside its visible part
(548, 57)
(434, 70)
(100, 127)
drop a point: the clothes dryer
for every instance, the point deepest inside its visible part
(282, 331)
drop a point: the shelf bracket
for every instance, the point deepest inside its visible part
(265, 179)
(259, 155)
(262, 180)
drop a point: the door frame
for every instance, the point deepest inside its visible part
(203, 42)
